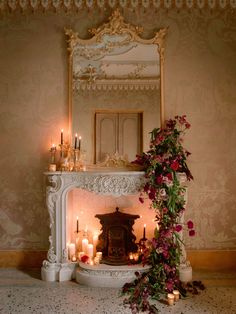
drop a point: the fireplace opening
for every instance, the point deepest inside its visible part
(116, 240)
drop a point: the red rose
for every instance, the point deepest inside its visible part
(178, 228)
(191, 233)
(84, 258)
(174, 165)
(190, 224)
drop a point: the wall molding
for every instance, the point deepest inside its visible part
(74, 5)
(211, 260)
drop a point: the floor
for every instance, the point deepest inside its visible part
(24, 292)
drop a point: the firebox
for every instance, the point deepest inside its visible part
(117, 239)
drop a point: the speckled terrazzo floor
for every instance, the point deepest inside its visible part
(23, 292)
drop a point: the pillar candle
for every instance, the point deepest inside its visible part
(90, 250)
(185, 273)
(176, 294)
(170, 298)
(71, 250)
(85, 245)
(95, 242)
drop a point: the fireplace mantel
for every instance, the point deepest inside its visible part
(57, 267)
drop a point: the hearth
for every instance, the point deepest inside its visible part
(117, 240)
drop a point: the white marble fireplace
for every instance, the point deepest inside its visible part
(61, 193)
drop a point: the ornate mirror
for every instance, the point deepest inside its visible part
(115, 88)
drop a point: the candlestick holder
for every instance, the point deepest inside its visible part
(77, 164)
(52, 161)
(65, 163)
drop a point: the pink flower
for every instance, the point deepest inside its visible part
(190, 224)
(187, 125)
(191, 233)
(178, 228)
(174, 165)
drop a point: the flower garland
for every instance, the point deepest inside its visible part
(162, 163)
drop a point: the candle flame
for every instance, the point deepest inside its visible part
(80, 137)
(61, 130)
(77, 218)
(144, 225)
(76, 135)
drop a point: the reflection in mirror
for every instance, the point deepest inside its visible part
(115, 89)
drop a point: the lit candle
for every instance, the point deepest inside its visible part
(170, 298)
(85, 245)
(176, 294)
(90, 250)
(136, 256)
(95, 242)
(71, 250)
(80, 142)
(99, 255)
(131, 257)
(62, 137)
(73, 259)
(144, 231)
(77, 224)
(76, 136)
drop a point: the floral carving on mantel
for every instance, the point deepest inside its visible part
(74, 5)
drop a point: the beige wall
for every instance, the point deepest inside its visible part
(200, 79)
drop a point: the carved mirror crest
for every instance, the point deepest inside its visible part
(115, 88)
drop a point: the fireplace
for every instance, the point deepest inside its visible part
(117, 239)
(117, 186)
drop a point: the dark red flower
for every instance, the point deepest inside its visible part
(174, 165)
(190, 224)
(159, 179)
(191, 233)
(84, 258)
(178, 228)
(169, 176)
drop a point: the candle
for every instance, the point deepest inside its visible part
(73, 259)
(185, 273)
(176, 294)
(99, 255)
(80, 142)
(144, 231)
(85, 245)
(170, 298)
(62, 137)
(90, 250)
(95, 242)
(77, 243)
(71, 250)
(76, 135)
(52, 167)
(136, 256)
(131, 257)
(77, 224)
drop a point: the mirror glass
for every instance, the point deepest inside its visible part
(115, 90)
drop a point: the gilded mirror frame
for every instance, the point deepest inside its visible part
(115, 26)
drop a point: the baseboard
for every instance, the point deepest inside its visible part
(22, 259)
(210, 260)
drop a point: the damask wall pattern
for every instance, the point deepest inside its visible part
(200, 79)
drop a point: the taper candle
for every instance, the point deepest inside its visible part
(144, 231)
(62, 137)
(80, 142)
(76, 136)
(77, 224)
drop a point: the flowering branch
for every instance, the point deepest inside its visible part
(162, 163)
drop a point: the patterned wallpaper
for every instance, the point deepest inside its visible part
(200, 78)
